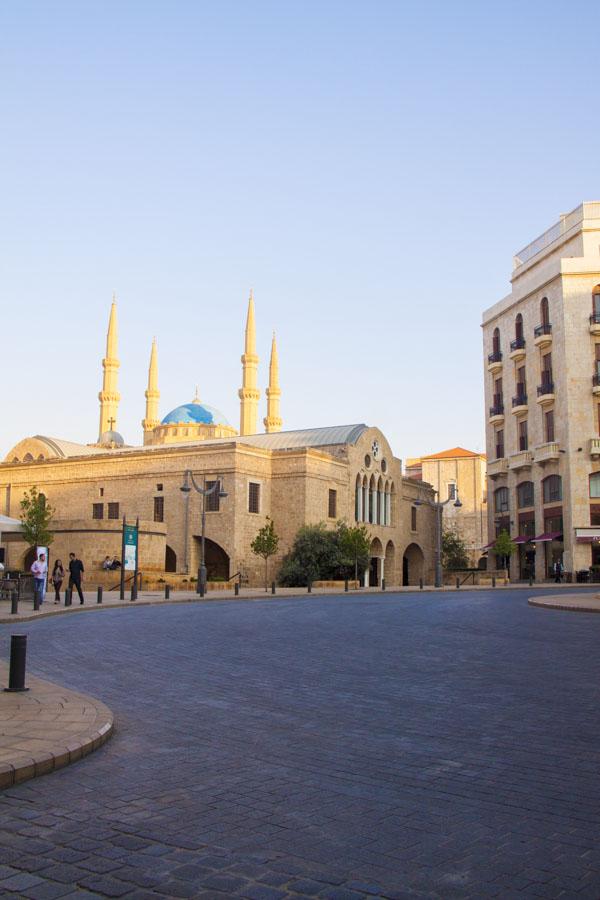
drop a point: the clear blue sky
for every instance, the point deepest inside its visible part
(368, 168)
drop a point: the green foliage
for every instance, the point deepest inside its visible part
(36, 516)
(504, 547)
(320, 554)
(355, 544)
(266, 544)
(454, 551)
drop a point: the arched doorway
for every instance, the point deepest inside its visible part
(373, 573)
(29, 559)
(170, 559)
(216, 560)
(412, 564)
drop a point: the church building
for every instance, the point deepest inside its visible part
(295, 478)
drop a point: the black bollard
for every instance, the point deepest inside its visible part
(346, 585)
(236, 589)
(420, 584)
(18, 654)
(133, 590)
(201, 591)
(493, 581)
(457, 582)
(272, 587)
(167, 591)
(309, 587)
(99, 597)
(530, 580)
(36, 601)
(68, 597)
(383, 584)
(14, 603)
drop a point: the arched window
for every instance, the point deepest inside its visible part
(596, 304)
(552, 488)
(392, 503)
(595, 484)
(501, 500)
(519, 330)
(544, 311)
(380, 512)
(365, 500)
(358, 500)
(28, 458)
(372, 500)
(525, 494)
(496, 342)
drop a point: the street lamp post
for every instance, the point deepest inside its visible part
(188, 479)
(438, 507)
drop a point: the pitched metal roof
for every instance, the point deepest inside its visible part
(309, 437)
(64, 449)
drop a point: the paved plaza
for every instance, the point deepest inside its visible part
(439, 745)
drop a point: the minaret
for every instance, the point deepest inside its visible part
(152, 397)
(273, 420)
(109, 395)
(249, 393)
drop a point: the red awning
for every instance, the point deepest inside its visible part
(487, 546)
(520, 539)
(548, 536)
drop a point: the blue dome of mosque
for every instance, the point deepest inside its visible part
(195, 413)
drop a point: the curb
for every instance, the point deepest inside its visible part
(24, 766)
(539, 602)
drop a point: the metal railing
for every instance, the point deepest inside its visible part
(517, 344)
(126, 580)
(546, 387)
(496, 356)
(544, 328)
(595, 318)
(569, 220)
(497, 409)
(520, 400)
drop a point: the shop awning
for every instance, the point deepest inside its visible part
(520, 539)
(587, 535)
(487, 546)
(547, 536)
(12, 525)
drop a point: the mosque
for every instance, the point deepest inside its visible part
(300, 477)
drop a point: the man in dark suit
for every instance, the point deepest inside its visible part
(75, 575)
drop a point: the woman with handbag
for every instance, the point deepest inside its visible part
(58, 574)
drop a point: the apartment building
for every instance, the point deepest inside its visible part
(542, 397)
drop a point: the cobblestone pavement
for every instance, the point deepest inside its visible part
(439, 746)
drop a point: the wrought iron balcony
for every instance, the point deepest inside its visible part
(540, 330)
(546, 387)
(497, 409)
(520, 399)
(518, 344)
(495, 357)
(596, 379)
(595, 318)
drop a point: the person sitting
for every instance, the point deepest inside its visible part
(115, 564)
(107, 564)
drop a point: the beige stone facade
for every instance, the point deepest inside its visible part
(292, 477)
(458, 473)
(542, 386)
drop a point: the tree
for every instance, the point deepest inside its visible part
(454, 550)
(504, 548)
(265, 544)
(36, 515)
(315, 554)
(355, 545)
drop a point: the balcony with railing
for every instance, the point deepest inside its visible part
(545, 391)
(596, 383)
(497, 467)
(595, 323)
(521, 460)
(595, 447)
(517, 349)
(497, 409)
(547, 452)
(519, 403)
(542, 334)
(495, 361)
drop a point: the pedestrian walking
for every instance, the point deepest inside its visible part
(558, 571)
(39, 570)
(58, 576)
(76, 571)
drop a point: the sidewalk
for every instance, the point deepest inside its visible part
(110, 599)
(46, 728)
(571, 602)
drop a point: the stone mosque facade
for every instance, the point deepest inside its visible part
(339, 472)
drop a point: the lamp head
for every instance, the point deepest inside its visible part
(185, 487)
(222, 492)
(457, 503)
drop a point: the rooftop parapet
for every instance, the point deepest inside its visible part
(566, 223)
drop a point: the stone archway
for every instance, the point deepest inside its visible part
(373, 572)
(217, 560)
(412, 564)
(170, 559)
